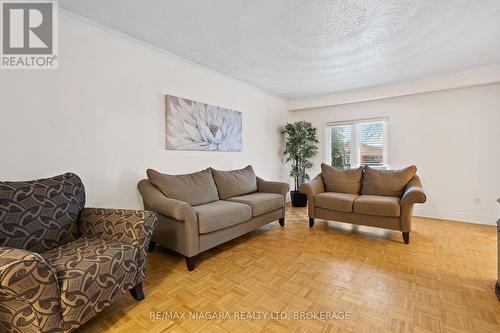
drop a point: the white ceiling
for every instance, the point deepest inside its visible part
(303, 48)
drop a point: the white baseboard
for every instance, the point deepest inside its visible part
(443, 215)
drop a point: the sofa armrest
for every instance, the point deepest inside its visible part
(178, 223)
(29, 293)
(272, 187)
(312, 188)
(413, 194)
(158, 202)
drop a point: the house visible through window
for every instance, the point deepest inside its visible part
(354, 143)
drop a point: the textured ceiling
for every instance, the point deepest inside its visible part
(302, 48)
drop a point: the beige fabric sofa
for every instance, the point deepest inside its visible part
(365, 196)
(202, 210)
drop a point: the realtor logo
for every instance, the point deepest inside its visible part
(29, 34)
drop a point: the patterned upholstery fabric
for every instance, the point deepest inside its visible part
(51, 278)
(134, 227)
(42, 214)
(91, 273)
(29, 294)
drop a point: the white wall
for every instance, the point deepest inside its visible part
(452, 136)
(101, 115)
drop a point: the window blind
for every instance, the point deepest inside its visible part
(357, 142)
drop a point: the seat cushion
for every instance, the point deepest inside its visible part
(391, 183)
(341, 180)
(377, 205)
(91, 274)
(261, 203)
(221, 214)
(341, 202)
(235, 182)
(196, 188)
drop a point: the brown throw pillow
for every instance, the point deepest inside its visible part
(390, 183)
(235, 182)
(341, 180)
(196, 188)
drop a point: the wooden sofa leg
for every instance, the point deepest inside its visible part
(190, 263)
(282, 221)
(152, 246)
(406, 237)
(137, 292)
(311, 222)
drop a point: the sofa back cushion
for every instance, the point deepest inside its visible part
(390, 183)
(196, 188)
(235, 182)
(341, 180)
(40, 215)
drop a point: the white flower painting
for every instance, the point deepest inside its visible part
(196, 126)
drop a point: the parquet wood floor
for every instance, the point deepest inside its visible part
(443, 281)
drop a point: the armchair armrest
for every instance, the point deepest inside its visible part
(272, 187)
(413, 194)
(134, 227)
(29, 293)
(312, 188)
(158, 202)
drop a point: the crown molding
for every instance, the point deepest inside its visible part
(93, 26)
(440, 82)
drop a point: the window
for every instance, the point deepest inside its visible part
(359, 142)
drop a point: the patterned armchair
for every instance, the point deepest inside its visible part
(61, 263)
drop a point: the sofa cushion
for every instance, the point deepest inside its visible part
(261, 203)
(91, 273)
(386, 182)
(341, 180)
(341, 202)
(196, 188)
(235, 182)
(377, 205)
(221, 214)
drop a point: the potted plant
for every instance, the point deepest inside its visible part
(300, 148)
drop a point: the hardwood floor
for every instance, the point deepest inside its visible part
(443, 281)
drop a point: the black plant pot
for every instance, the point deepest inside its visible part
(299, 199)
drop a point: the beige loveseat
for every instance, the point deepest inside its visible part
(365, 196)
(202, 210)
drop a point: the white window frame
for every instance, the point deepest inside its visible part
(355, 140)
